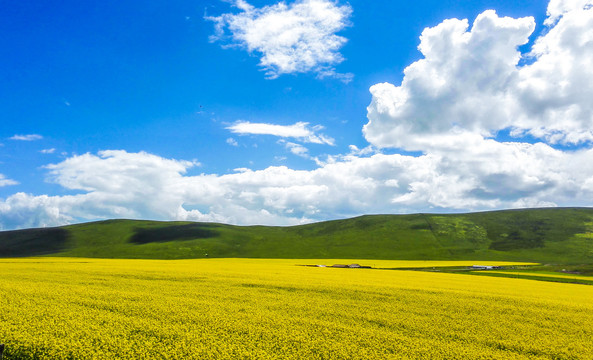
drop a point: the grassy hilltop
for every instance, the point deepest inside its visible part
(558, 235)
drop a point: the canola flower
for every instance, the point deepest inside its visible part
(55, 308)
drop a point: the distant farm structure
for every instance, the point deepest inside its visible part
(341, 266)
(485, 267)
(351, 266)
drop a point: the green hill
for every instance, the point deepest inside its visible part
(557, 235)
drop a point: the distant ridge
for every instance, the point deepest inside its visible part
(552, 235)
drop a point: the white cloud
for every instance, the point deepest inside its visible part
(232, 142)
(291, 38)
(555, 91)
(48, 151)
(470, 82)
(25, 211)
(29, 137)
(122, 170)
(300, 131)
(297, 149)
(354, 153)
(460, 85)
(557, 8)
(6, 182)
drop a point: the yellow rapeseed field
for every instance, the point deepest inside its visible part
(55, 308)
(547, 275)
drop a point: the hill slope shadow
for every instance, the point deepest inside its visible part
(32, 242)
(174, 233)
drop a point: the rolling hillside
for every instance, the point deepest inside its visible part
(556, 235)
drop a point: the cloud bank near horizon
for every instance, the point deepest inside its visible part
(118, 184)
(450, 105)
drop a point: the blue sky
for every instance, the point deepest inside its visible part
(264, 112)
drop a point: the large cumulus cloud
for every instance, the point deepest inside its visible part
(470, 81)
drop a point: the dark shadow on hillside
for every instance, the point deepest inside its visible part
(516, 240)
(173, 233)
(32, 242)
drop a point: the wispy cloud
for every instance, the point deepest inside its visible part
(300, 130)
(296, 149)
(48, 151)
(29, 137)
(294, 38)
(5, 182)
(232, 142)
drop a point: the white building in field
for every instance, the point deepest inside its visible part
(484, 267)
